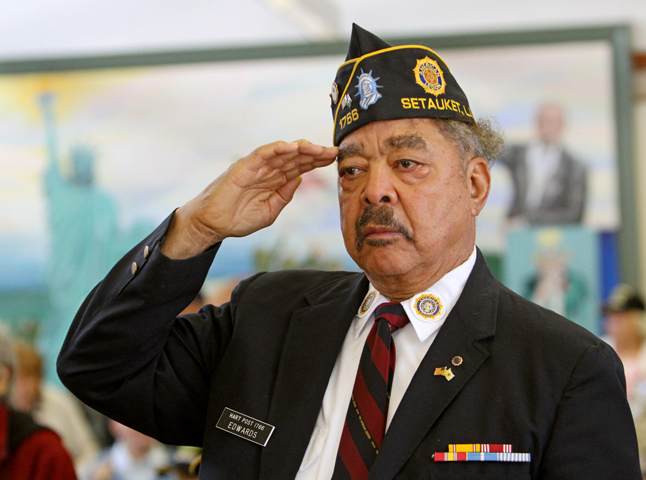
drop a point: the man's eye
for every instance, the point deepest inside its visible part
(348, 171)
(407, 164)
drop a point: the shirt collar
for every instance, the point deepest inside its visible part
(426, 310)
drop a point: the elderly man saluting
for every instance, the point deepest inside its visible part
(423, 366)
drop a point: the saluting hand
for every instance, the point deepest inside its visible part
(247, 197)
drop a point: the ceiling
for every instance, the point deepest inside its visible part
(55, 28)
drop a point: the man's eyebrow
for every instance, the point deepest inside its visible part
(406, 141)
(351, 150)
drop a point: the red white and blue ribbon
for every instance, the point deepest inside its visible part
(480, 447)
(481, 457)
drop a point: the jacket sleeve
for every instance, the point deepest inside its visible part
(128, 354)
(593, 435)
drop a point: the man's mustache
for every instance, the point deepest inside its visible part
(382, 216)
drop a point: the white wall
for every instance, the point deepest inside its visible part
(36, 28)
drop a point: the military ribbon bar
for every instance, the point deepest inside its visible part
(481, 457)
(480, 447)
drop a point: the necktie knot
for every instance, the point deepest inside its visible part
(393, 313)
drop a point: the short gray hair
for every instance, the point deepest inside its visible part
(484, 139)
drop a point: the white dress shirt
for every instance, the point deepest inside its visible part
(411, 342)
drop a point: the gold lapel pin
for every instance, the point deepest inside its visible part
(444, 372)
(456, 361)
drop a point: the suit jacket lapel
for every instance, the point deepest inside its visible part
(314, 339)
(471, 320)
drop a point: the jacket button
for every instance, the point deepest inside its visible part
(146, 251)
(133, 269)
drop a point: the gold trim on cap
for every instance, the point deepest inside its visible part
(358, 60)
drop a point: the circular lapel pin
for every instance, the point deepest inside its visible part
(456, 361)
(427, 306)
(367, 303)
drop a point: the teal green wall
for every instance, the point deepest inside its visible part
(24, 310)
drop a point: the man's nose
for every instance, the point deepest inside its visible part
(379, 187)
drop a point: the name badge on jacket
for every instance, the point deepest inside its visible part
(244, 426)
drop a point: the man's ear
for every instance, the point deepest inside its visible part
(479, 178)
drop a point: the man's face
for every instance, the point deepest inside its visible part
(551, 120)
(624, 326)
(407, 202)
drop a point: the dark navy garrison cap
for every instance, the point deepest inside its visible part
(381, 82)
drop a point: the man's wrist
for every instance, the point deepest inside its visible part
(183, 240)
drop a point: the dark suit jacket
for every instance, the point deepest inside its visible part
(529, 377)
(565, 198)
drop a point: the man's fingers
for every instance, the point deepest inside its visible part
(275, 149)
(247, 197)
(271, 166)
(286, 192)
(289, 155)
(308, 148)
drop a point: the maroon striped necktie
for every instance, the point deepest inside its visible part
(365, 422)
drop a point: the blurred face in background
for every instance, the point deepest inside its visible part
(25, 391)
(551, 122)
(5, 379)
(624, 326)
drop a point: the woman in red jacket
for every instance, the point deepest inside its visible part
(28, 451)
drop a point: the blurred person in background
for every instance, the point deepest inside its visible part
(626, 330)
(556, 284)
(549, 183)
(133, 456)
(28, 451)
(51, 406)
(625, 314)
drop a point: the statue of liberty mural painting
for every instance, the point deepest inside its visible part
(84, 237)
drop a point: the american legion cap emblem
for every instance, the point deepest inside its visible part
(429, 76)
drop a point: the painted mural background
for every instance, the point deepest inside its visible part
(93, 160)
